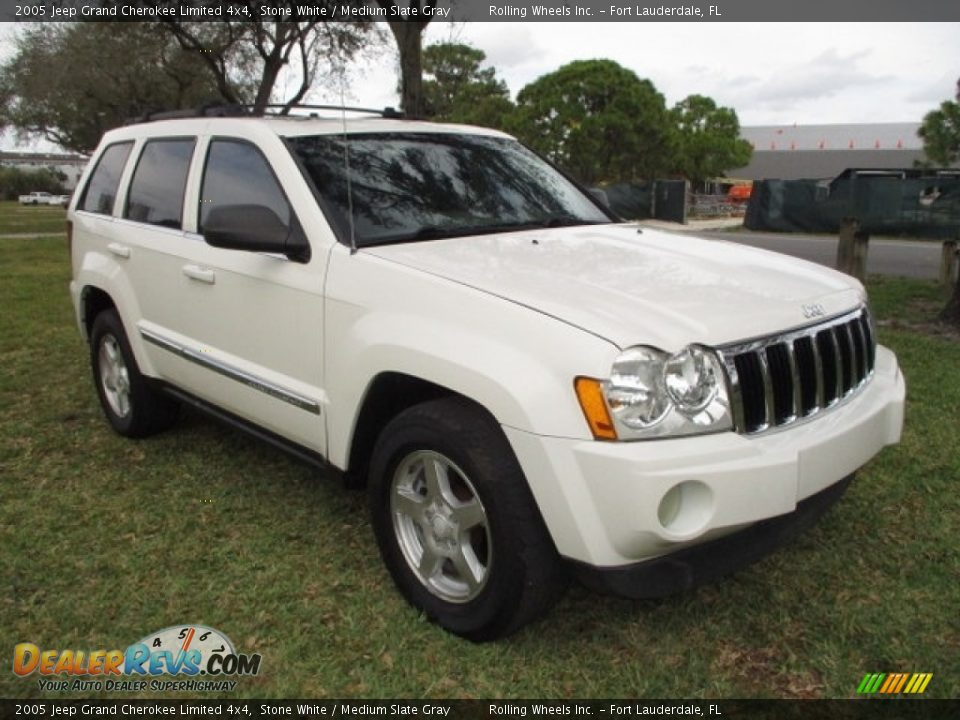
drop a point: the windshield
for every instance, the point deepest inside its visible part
(421, 186)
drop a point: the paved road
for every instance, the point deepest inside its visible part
(910, 258)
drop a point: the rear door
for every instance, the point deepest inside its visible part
(149, 240)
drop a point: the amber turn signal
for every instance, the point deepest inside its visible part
(590, 395)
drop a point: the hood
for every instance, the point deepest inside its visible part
(636, 287)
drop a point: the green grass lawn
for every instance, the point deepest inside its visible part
(103, 540)
(17, 218)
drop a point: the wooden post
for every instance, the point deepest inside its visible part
(948, 262)
(849, 227)
(858, 263)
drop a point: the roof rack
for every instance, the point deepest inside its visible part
(209, 110)
(387, 112)
(242, 110)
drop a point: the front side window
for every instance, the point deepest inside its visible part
(159, 182)
(237, 173)
(396, 187)
(101, 190)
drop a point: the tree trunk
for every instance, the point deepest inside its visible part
(273, 63)
(271, 70)
(408, 37)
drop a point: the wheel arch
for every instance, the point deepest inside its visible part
(387, 395)
(101, 285)
(93, 301)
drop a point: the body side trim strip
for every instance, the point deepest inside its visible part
(234, 373)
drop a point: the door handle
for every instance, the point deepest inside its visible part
(119, 250)
(202, 274)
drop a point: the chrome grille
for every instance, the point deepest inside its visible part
(783, 379)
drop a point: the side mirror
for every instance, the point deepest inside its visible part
(254, 228)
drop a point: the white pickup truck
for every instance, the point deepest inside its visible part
(529, 388)
(44, 198)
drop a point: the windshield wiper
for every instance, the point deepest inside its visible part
(439, 232)
(425, 232)
(565, 221)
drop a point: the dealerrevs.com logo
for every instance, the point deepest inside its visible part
(200, 657)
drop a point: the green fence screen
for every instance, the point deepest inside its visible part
(886, 202)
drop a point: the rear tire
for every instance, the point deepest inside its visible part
(456, 523)
(133, 408)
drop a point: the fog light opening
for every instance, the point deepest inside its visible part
(686, 508)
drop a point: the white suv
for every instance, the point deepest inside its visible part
(529, 388)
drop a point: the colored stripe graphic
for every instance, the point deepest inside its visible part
(875, 685)
(894, 683)
(890, 679)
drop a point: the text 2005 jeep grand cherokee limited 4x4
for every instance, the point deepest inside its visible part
(529, 388)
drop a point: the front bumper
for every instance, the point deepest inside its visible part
(698, 564)
(614, 504)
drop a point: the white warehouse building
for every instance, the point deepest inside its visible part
(814, 152)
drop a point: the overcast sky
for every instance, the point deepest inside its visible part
(769, 73)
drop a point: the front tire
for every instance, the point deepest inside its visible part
(133, 408)
(456, 523)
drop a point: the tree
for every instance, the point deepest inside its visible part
(940, 132)
(15, 182)
(408, 35)
(708, 139)
(478, 107)
(457, 89)
(69, 83)
(245, 56)
(598, 121)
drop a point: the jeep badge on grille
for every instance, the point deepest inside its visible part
(813, 310)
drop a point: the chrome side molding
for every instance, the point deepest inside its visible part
(234, 373)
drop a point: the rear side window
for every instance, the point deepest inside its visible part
(159, 182)
(101, 190)
(237, 173)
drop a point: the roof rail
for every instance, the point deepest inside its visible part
(241, 110)
(208, 110)
(387, 112)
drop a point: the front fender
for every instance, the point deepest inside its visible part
(516, 362)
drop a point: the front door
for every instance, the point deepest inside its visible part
(250, 331)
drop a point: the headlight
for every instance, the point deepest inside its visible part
(651, 393)
(690, 380)
(635, 391)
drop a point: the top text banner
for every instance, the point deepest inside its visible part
(853, 11)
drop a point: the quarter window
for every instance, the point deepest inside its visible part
(237, 173)
(101, 190)
(159, 182)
